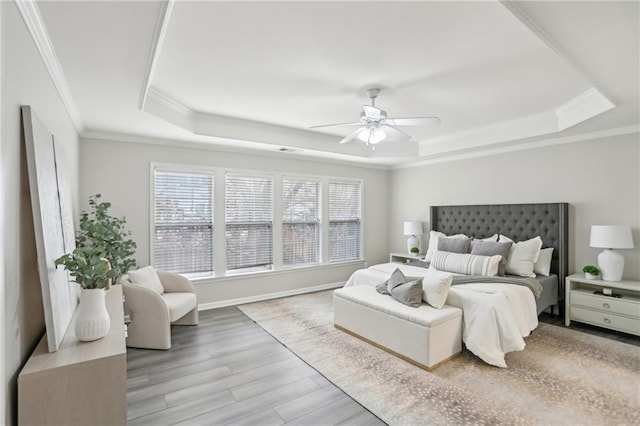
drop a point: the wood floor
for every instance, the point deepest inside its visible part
(228, 370)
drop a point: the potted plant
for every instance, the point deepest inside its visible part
(91, 270)
(591, 272)
(103, 253)
(415, 251)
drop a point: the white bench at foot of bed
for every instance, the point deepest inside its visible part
(424, 336)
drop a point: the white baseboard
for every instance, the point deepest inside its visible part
(261, 297)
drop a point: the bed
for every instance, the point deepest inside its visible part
(497, 317)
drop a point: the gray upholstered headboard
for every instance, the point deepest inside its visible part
(517, 221)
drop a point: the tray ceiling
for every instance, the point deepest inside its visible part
(259, 74)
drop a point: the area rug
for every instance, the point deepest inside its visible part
(563, 377)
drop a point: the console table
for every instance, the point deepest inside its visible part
(586, 303)
(83, 382)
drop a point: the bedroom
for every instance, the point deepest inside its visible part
(593, 166)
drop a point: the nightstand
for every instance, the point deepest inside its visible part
(586, 303)
(404, 257)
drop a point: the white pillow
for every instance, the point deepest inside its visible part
(435, 287)
(493, 238)
(146, 277)
(543, 265)
(522, 256)
(433, 243)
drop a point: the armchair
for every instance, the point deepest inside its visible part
(153, 310)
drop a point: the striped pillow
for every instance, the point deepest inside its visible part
(467, 264)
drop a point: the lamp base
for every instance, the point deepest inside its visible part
(412, 242)
(611, 264)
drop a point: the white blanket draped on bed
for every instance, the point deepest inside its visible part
(496, 316)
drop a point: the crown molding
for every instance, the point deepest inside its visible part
(33, 19)
(156, 48)
(490, 151)
(581, 108)
(259, 150)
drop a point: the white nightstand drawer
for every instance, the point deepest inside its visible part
(604, 303)
(604, 319)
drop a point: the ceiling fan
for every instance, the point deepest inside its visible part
(375, 127)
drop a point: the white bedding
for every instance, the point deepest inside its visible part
(496, 317)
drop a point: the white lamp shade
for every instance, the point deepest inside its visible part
(413, 228)
(611, 236)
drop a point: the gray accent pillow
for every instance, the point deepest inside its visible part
(408, 293)
(396, 278)
(492, 248)
(382, 288)
(454, 245)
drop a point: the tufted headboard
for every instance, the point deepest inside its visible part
(517, 221)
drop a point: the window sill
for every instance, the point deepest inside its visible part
(289, 270)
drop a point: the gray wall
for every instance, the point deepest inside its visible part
(120, 171)
(25, 81)
(599, 178)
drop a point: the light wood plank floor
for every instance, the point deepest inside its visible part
(228, 370)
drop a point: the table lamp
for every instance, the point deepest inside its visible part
(609, 237)
(413, 228)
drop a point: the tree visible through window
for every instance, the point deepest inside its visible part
(344, 220)
(300, 221)
(183, 222)
(249, 221)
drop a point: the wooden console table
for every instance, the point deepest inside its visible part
(83, 382)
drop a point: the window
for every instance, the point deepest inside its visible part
(300, 221)
(344, 220)
(249, 222)
(183, 222)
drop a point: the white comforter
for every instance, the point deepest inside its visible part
(496, 316)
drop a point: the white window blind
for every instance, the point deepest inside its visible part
(300, 221)
(183, 222)
(344, 220)
(248, 220)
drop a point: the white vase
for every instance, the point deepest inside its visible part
(92, 322)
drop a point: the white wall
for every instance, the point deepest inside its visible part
(120, 171)
(25, 81)
(599, 178)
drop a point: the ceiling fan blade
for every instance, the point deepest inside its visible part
(353, 135)
(338, 124)
(415, 121)
(372, 112)
(394, 134)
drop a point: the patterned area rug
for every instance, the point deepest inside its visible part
(562, 377)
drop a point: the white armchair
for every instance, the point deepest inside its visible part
(152, 308)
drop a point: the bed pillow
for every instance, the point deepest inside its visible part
(433, 243)
(494, 237)
(467, 264)
(522, 256)
(543, 264)
(146, 277)
(409, 293)
(454, 244)
(492, 248)
(435, 287)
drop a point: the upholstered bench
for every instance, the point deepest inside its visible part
(424, 336)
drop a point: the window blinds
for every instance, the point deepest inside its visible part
(300, 221)
(183, 222)
(344, 220)
(248, 220)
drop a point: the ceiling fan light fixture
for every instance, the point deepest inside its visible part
(372, 135)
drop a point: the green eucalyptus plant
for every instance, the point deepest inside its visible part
(88, 267)
(103, 248)
(415, 250)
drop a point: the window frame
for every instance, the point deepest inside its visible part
(360, 220)
(220, 272)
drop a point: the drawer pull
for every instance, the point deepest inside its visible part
(607, 321)
(605, 305)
